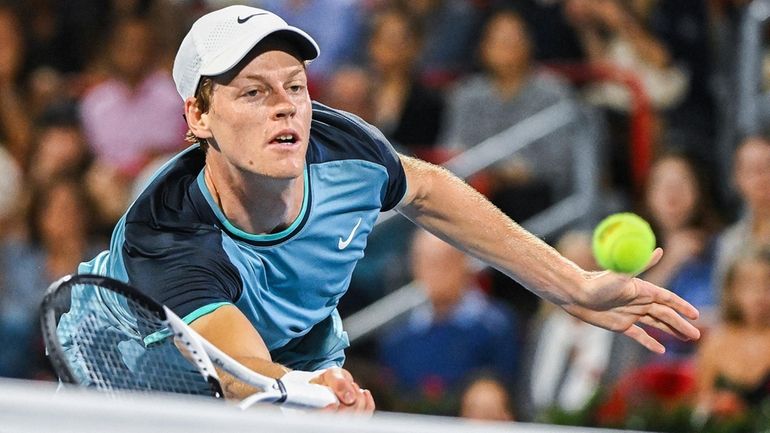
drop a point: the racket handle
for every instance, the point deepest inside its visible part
(308, 395)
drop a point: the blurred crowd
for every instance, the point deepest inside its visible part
(88, 111)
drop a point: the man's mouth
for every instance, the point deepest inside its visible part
(285, 138)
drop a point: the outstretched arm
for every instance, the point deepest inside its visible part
(447, 207)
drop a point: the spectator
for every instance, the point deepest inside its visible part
(507, 92)
(570, 360)
(60, 149)
(134, 114)
(57, 241)
(680, 210)
(14, 319)
(350, 89)
(459, 332)
(451, 30)
(615, 35)
(408, 113)
(337, 26)
(15, 124)
(11, 189)
(734, 359)
(752, 177)
(486, 398)
(683, 27)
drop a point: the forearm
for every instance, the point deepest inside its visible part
(236, 389)
(233, 334)
(446, 206)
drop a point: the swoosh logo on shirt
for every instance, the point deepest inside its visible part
(243, 20)
(344, 244)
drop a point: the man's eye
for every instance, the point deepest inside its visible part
(296, 88)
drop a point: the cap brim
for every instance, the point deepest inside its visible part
(306, 47)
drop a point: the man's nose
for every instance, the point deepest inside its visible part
(284, 106)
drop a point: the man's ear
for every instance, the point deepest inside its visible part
(197, 120)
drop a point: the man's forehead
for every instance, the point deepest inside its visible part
(267, 59)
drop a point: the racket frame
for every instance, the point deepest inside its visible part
(199, 351)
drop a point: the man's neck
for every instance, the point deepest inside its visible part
(256, 204)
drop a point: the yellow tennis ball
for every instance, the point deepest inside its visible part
(623, 242)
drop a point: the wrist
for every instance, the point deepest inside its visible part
(572, 287)
(581, 293)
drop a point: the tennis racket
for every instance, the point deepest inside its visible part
(105, 334)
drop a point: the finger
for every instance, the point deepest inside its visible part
(674, 321)
(361, 403)
(342, 387)
(370, 406)
(670, 299)
(657, 324)
(644, 339)
(358, 406)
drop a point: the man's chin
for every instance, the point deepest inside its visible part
(280, 174)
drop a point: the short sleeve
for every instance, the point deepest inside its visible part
(185, 270)
(342, 135)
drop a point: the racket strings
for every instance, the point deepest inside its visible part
(103, 334)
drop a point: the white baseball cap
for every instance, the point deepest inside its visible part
(219, 40)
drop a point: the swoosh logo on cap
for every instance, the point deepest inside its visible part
(243, 20)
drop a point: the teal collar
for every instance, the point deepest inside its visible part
(259, 238)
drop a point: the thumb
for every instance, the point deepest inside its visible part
(341, 386)
(657, 254)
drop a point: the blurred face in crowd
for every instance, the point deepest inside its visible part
(750, 289)
(486, 400)
(63, 216)
(349, 89)
(259, 118)
(578, 12)
(60, 150)
(131, 49)
(505, 46)
(673, 192)
(752, 174)
(442, 269)
(393, 45)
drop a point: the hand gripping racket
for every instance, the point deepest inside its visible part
(105, 334)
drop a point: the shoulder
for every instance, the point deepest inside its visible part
(172, 197)
(549, 86)
(471, 88)
(735, 233)
(338, 135)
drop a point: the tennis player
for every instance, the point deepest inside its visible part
(251, 234)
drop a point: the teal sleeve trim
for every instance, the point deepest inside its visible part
(202, 311)
(161, 335)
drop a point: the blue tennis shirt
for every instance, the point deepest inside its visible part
(175, 244)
